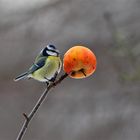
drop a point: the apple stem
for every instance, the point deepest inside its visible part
(82, 70)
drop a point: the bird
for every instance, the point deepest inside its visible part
(46, 66)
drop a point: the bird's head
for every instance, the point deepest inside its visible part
(50, 50)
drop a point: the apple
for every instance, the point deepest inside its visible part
(79, 62)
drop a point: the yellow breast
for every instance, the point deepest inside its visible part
(52, 65)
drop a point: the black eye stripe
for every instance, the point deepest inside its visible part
(47, 49)
(51, 47)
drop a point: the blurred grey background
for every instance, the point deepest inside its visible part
(104, 106)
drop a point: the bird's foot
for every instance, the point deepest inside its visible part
(47, 83)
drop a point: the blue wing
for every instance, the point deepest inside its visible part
(37, 65)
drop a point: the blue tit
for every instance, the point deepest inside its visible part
(46, 67)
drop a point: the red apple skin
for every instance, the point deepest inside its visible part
(79, 62)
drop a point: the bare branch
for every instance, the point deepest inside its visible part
(29, 117)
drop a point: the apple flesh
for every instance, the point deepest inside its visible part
(79, 62)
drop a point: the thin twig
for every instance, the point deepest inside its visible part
(29, 117)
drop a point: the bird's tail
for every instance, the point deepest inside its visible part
(21, 76)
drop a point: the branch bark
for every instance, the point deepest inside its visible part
(29, 117)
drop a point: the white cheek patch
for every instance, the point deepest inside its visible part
(51, 53)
